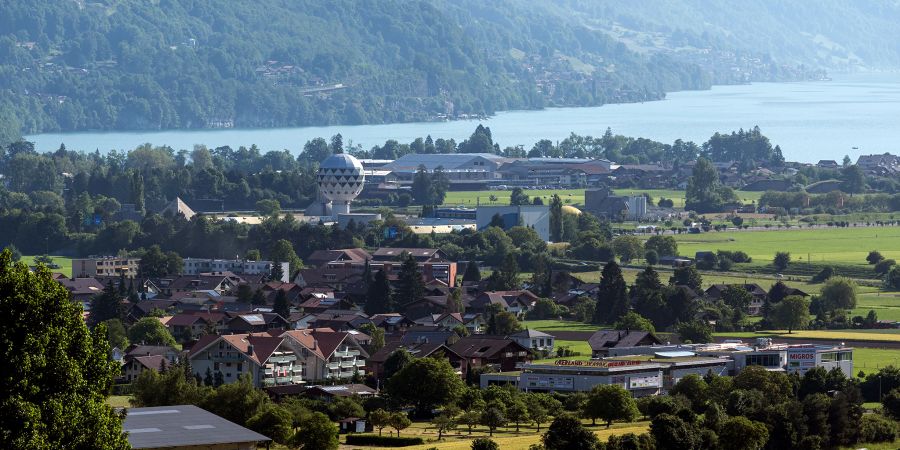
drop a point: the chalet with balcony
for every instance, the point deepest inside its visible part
(501, 353)
(329, 354)
(269, 360)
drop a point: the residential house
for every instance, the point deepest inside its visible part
(133, 366)
(602, 340)
(347, 257)
(269, 360)
(433, 263)
(340, 320)
(759, 294)
(329, 354)
(535, 340)
(392, 322)
(318, 304)
(81, 289)
(419, 349)
(827, 164)
(501, 353)
(256, 323)
(222, 284)
(882, 165)
(517, 302)
(326, 277)
(189, 326)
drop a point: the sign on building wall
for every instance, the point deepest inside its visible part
(596, 363)
(801, 359)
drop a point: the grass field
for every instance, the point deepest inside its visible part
(65, 264)
(885, 304)
(118, 401)
(558, 325)
(575, 197)
(506, 437)
(833, 245)
(831, 335)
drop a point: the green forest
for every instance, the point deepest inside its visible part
(138, 65)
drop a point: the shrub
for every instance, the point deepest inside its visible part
(877, 428)
(884, 266)
(383, 441)
(823, 275)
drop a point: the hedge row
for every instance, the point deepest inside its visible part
(383, 441)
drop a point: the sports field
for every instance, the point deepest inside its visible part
(65, 264)
(829, 245)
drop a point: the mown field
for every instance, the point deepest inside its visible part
(572, 197)
(827, 245)
(65, 264)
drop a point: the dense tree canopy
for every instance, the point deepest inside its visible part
(57, 374)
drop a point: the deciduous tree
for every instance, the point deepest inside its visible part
(791, 313)
(57, 374)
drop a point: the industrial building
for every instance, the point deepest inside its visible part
(654, 369)
(536, 217)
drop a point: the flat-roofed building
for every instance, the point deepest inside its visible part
(654, 369)
(186, 427)
(194, 266)
(105, 266)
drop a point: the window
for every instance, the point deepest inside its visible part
(240, 367)
(216, 366)
(836, 356)
(771, 360)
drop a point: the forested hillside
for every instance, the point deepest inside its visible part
(142, 65)
(831, 34)
(74, 65)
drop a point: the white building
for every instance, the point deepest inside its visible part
(535, 340)
(194, 266)
(106, 266)
(536, 217)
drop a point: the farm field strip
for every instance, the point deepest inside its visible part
(836, 245)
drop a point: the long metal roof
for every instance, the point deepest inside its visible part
(183, 426)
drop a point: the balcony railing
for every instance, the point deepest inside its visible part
(347, 354)
(282, 359)
(347, 364)
(333, 366)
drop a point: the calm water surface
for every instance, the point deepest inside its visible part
(811, 121)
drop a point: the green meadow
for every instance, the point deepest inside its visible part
(847, 246)
(574, 197)
(65, 264)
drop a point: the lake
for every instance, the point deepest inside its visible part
(809, 120)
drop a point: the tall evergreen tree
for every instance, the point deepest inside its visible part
(473, 273)
(378, 295)
(409, 286)
(507, 277)
(57, 374)
(421, 187)
(612, 299)
(281, 305)
(106, 305)
(556, 218)
(648, 296)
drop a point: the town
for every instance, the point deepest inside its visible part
(518, 305)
